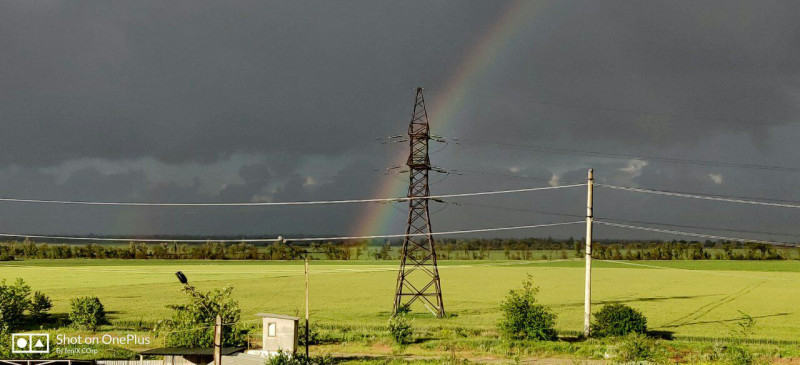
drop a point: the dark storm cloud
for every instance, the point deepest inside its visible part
(254, 101)
(197, 81)
(699, 69)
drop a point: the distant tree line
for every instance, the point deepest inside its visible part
(18, 250)
(447, 249)
(693, 251)
(534, 248)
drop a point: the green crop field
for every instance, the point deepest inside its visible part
(688, 298)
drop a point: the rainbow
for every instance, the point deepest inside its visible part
(380, 218)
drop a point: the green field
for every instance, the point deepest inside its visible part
(689, 298)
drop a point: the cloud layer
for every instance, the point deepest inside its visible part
(252, 101)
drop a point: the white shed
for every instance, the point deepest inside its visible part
(280, 333)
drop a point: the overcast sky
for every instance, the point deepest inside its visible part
(237, 101)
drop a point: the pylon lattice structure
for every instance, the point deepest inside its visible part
(418, 278)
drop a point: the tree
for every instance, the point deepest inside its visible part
(523, 318)
(192, 323)
(13, 303)
(87, 313)
(385, 253)
(39, 305)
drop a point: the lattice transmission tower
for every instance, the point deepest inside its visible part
(418, 278)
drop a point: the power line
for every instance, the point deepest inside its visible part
(512, 176)
(707, 228)
(691, 234)
(639, 157)
(730, 199)
(631, 221)
(498, 192)
(303, 239)
(318, 202)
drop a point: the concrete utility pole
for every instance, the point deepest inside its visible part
(218, 341)
(587, 300)
(304, 255)
(305, 258)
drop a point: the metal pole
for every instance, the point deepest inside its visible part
(419, 249)
(218, 341)
(307, 327)
(587, 300)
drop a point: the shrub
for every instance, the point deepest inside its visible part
(523, 318)
(13, 302)
(200, 311)
(39, 305)
(87, 313)
(282, 358)
(618, 320)
(638, 347)
(285, 358)
(738, 355)
(400, 329)
(313, 335)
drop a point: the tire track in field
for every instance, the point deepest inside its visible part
(707, 308)
(730, 299)
(632, 296)
(711, 305)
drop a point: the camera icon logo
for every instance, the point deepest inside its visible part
(30, 343)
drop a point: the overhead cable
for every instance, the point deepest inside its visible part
(723, 198)
(318, 202)
(302, 239)
(703, 227)
(692, 234)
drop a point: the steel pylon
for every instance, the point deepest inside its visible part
(418, 278)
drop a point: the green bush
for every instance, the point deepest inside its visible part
(39, 305)
(285, 358)
(523, 318)
(192, 322)
(618, 320)
(400, 329)
(13, 303)
(313, 335)
(638, 347)
(738, 355)
(87, 313)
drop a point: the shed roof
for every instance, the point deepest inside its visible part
(278, 316)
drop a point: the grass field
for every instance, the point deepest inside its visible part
(689, 298)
